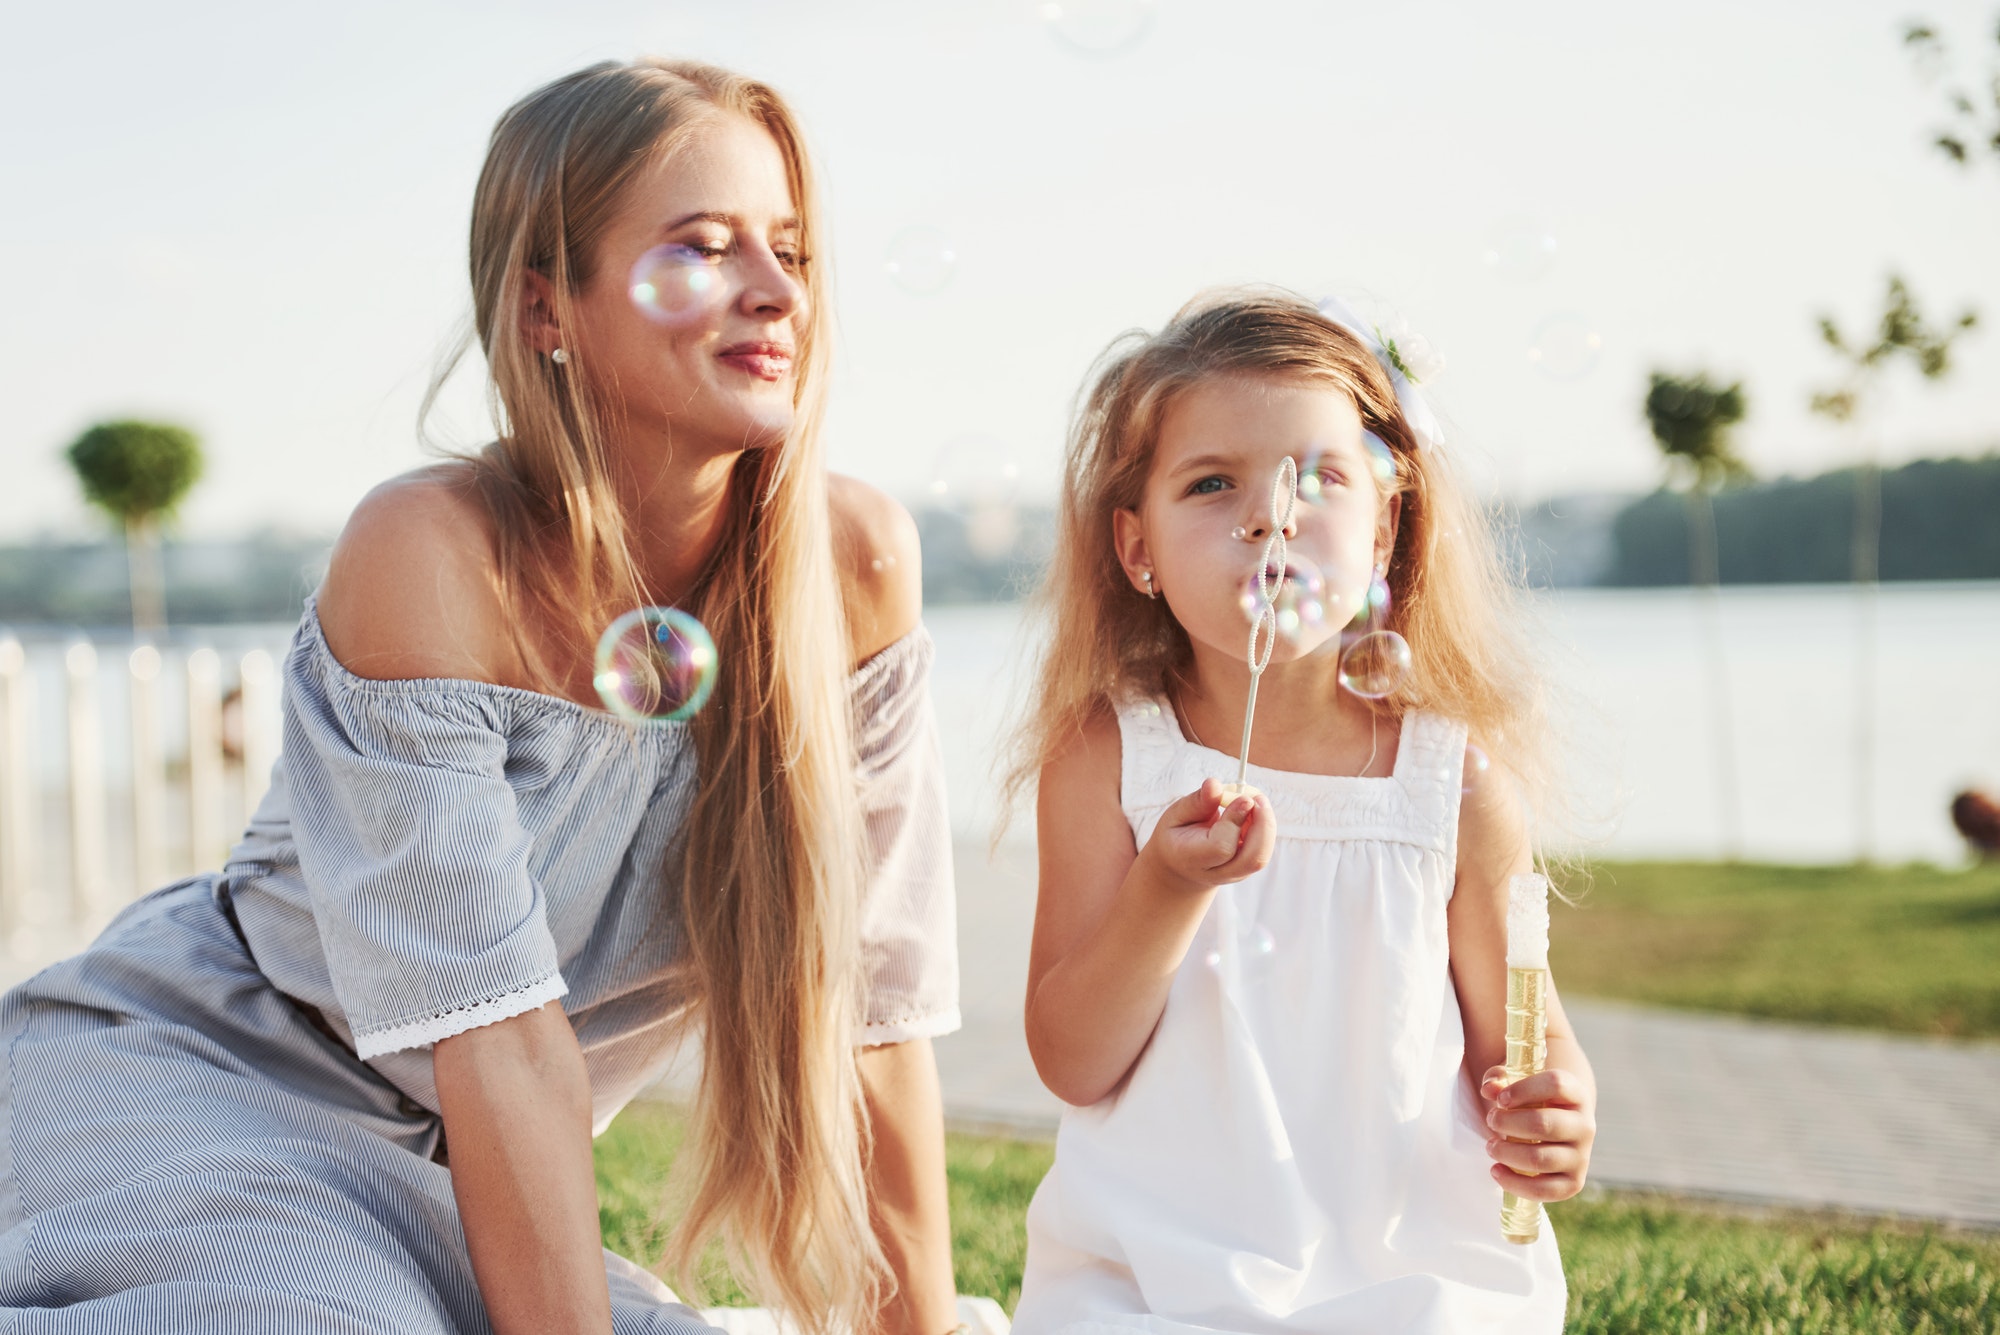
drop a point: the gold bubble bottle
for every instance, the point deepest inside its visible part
(1527, 1020)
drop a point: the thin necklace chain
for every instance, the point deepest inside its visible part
(1187, 726)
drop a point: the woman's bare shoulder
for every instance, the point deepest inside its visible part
(413, 590)
(880, 565)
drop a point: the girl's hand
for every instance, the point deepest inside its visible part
(1540, 1132)
(1206, 843)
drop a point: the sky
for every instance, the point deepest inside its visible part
(250, 218)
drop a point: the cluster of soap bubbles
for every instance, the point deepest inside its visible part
(674, 284)
(655, 665)
(1288, 595)
(1099, 28)
(1255, 947)
(1564, 346)
(1298, 604)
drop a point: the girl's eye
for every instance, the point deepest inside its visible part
(1207, 486)
(791, 259)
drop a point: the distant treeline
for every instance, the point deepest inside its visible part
(1940, 520)
(261, 578)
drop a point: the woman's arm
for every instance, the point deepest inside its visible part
(516, 1104)
(906, 1186)
(1544, 1125)
(1113, 922)
(411, 593)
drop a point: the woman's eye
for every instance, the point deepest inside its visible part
(1207, 486)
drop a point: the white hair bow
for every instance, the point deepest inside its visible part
(1407, 357)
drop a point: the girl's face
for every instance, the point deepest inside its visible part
(1206, 511)
(690, 322)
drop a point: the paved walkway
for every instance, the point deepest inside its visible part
(1708, 1105)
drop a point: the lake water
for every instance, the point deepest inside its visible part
(1634, 656)
(1647, 751)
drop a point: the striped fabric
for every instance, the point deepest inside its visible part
(188, 1140)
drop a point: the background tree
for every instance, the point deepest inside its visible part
(138, 473)
(1902, 335)
(1692, 419)
(1972, 129)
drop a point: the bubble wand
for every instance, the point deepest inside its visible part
(1264, 629)
(1527, 1019)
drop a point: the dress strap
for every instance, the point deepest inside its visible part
(1148, 739)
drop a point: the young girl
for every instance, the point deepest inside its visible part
(1279, 1020)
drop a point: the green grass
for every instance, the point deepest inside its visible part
(1909, 949)
(1637, 1264)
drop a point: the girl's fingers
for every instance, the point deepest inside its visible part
(1253, 853)
(1545, 1187)
(1554, 1085)
(1554, 1123)
(1541, 1159)
(1197, 808)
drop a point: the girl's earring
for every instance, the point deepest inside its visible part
(559, 357)
(1147, 576)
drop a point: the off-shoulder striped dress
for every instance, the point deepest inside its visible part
(221, 1116)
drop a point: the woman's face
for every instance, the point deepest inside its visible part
(1206, 511)
(690, 322)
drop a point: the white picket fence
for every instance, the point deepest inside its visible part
(122, 766)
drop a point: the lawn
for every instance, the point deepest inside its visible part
(1910, 949)
(1635, 1263)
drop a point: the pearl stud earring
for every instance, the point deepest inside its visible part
(559, 357)
(1147, 576)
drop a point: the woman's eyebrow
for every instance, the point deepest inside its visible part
(789, 224)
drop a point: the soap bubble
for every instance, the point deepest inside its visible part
(976, 479)
(674, 284)
(1476, 765)
(1565, 347)
(655, 665)
(1314, 486)
(1381, 460)
(920, 260)
(1300, 607)
(1375, 665)
(1099, 27)
(1520, 248)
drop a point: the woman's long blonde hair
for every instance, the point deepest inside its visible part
(1450, 595)
(769, 862)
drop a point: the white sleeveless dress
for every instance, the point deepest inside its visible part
(1298, 1149)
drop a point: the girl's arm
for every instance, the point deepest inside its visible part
(516, 1105)
(1545, 1124)
(1112, 921)
(906, 1186)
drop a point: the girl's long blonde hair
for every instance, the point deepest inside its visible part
(1450, 595)
(769, 863)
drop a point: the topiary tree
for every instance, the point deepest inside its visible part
(138, 473)
(1692, 419)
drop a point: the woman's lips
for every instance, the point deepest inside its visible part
(766, 361)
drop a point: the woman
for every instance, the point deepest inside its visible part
(476, 912)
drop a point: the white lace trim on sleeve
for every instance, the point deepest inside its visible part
(882, 1032)
(432, 1028)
